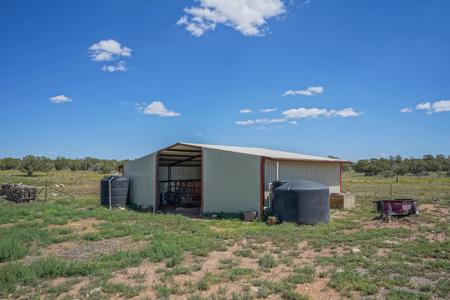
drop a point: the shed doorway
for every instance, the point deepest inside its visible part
(179, 180)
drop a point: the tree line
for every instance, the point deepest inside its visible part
(396, 165)
(30, 164)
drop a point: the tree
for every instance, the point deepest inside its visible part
(9, 163)
(30, 164)
(45, 164)
(107, 166)
(416, 166)
(61, 163)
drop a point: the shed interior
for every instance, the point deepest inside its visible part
(179, 179)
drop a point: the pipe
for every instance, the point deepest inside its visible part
(278, 171)
(109, 183)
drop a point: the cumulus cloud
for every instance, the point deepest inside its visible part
(60, 99)
(119, 67)
(108, 50)
(156, 108)
(246, 16)
(406, 110)
(266, 110)
(435, 107)
(245, 111)
(314, 113)
(310, 91)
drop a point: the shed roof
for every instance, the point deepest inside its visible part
(267, 153)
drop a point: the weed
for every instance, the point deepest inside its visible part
(267, 261)
(244, 253)
(348, 280)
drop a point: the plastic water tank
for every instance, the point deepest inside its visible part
(302, 201)
(119, 191)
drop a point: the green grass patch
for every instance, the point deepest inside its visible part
(11, 249)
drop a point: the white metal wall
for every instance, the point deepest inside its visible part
(325, 173)
(231, 181)
(141, 173)
(178, 173)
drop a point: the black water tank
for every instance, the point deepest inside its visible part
(276, 184)
(303, 201)
(119, 191)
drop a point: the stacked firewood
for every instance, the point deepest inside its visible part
(4, 188)
(19, 193)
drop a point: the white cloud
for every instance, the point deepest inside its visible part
(313, 113)
(60, 99)
(261, 121)
(440, 106)
(266, 110)
(345, 113)
(246, 16)
(156, 108)
(435, 107)
(423, 106)
(293, 122)
(108, 50)
(245, 111)
(310, 91)
(406, 110)
(119, 67)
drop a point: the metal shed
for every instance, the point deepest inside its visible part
(223, 178)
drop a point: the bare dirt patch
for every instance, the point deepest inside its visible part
(81, 226)
(7, 225)
(144, 274)
(75, 290)
(308, 255)
(318, 290)
(339, 214)
(383, 252)
(83, 250)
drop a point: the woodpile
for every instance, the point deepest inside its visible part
(19, 193)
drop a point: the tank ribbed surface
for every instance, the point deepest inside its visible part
(119, 191)
(302, 201)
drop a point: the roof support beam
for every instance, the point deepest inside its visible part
(181, 150)
(184, 160)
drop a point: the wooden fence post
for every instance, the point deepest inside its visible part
(46, 192)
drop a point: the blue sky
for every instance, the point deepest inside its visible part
(119, 79)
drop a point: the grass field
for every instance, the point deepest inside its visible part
(72, 248)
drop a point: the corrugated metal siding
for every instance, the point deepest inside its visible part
(325, 173)
(231, 181)
(178, 173)
(142, 180)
